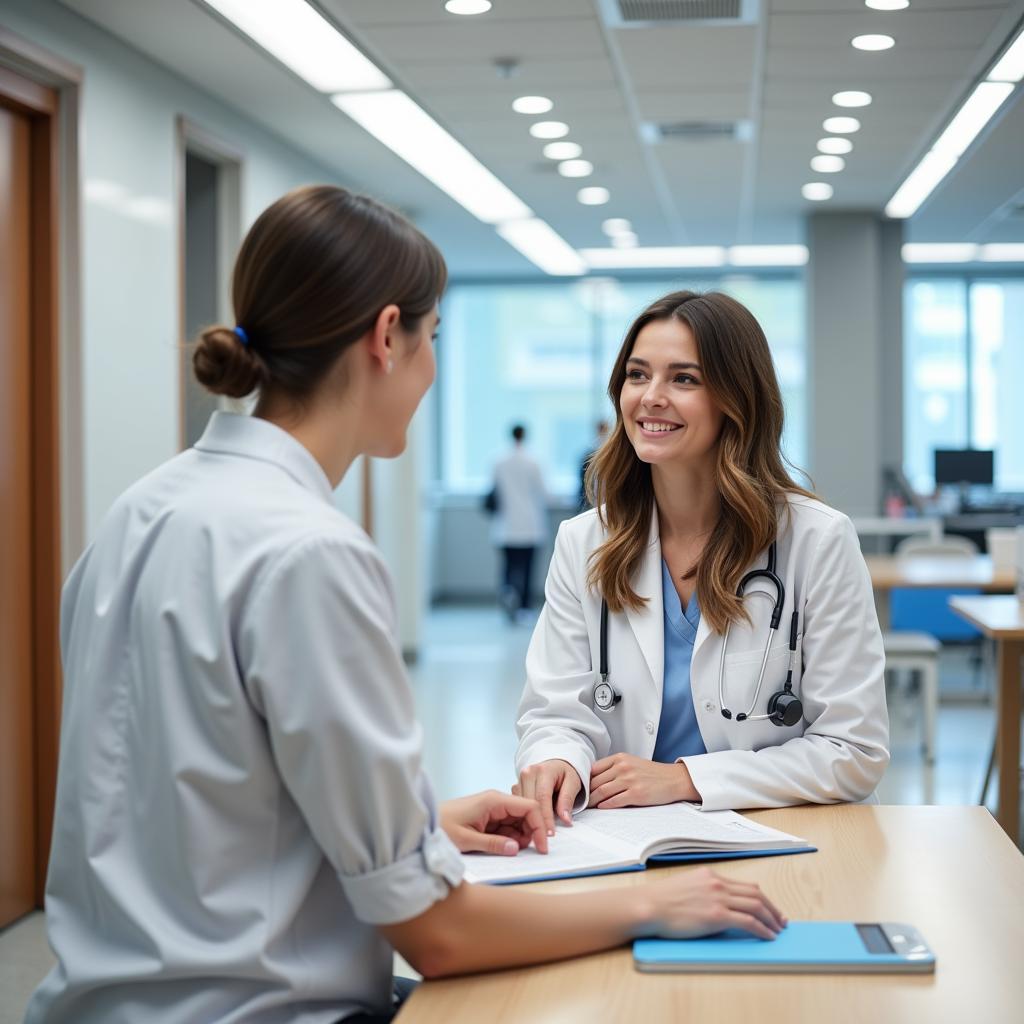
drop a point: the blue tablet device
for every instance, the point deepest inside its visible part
(823, 947)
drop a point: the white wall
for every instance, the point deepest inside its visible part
(129, 247)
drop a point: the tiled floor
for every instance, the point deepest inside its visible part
(467, 687)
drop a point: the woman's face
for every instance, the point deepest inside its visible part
(413, 371)
(668, 413)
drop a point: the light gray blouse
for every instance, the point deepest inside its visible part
(240, 798)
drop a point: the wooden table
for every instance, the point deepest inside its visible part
(950, 871)
(952, 572)
(1002, 619)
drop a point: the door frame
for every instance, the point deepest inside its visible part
(46, 89)
(191, 137)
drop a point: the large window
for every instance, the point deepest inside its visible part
(541, 354)
(963, 364)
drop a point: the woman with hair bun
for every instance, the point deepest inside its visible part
(740, 662)
(243, 829)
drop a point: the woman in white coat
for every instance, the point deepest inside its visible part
(243, 828)
(704, 701)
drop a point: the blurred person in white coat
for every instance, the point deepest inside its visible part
(520, 522)
(744, 662)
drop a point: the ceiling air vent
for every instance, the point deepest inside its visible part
(696, 131)
(651, 13)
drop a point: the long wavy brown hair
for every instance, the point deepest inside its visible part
(750, 470)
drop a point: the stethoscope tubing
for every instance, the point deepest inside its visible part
(768, 573)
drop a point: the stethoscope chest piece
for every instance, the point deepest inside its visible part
(605, 696)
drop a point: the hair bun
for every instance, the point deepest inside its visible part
(225, 366)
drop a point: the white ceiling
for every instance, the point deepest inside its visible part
(779, 73)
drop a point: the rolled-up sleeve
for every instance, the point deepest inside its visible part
(321, 664)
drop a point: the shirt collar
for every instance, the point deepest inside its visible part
(230, 433)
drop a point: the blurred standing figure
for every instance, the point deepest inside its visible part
(600, 435)
(520, 521)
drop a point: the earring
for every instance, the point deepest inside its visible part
(391, 366)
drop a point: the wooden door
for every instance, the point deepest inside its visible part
(17, 730)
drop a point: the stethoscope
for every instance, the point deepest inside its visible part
(784, 707)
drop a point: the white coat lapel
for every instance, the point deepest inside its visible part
(648, 623)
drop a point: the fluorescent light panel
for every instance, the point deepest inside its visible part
(305, 41)
(656, 256)
(963, 252)
(968, 121)
(939, 252)
(408, 131)
(696, 256)
(1002, 252)
(540, 244)
(1010, 67)
(768, 255)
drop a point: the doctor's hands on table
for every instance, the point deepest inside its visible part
(493, 822)
(624, 780)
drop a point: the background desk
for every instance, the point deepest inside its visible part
(951, 871)
(889, 572)
(1002, 619)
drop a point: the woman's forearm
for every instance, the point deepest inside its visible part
(480, 927)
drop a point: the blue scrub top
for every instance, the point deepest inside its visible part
(678, 733)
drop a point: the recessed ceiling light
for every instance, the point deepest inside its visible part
(549, 130)
(817, 191)
(852, 98)
(827, 164)
(887, 5)
(594, 195)
(575, 168)
(835, 146)
(616, 226)
(563, 150)
(467, 6)
(872, 42)
(841, 125)
(532, 105)
(625, 240)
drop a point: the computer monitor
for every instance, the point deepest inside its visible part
(963, 466)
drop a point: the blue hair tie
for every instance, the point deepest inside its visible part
(242, 336)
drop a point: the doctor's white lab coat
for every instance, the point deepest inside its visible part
(837, 752)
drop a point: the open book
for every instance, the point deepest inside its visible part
(604, 842)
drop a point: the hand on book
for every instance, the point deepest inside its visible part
(624, 780)
(493, 822)
(701, 902)
(554, 785)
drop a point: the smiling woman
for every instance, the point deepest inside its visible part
(700, 547)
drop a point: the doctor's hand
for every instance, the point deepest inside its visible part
(624, 780)
(554, 785)
(493, 822)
